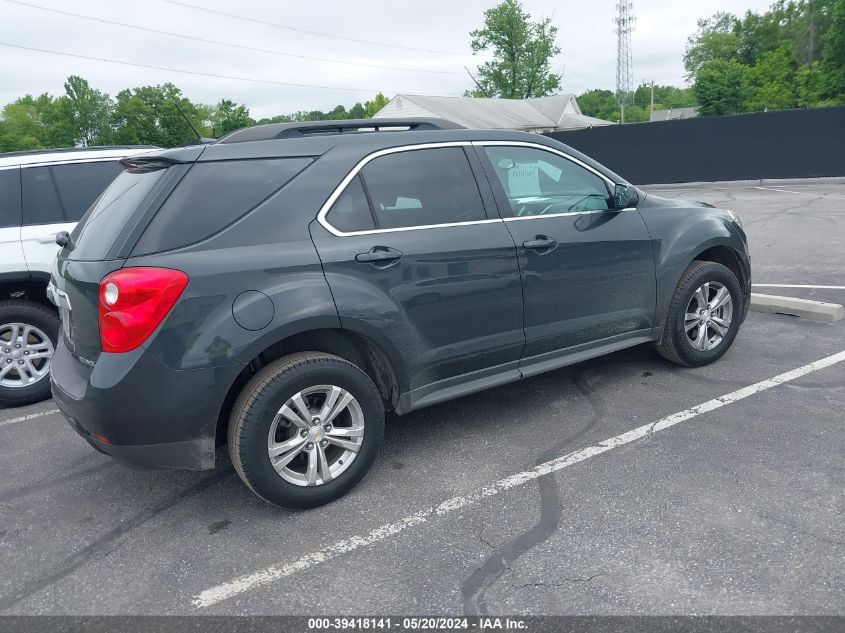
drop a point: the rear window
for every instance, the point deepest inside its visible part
(98, 229)
(10, 197)
(211, 197)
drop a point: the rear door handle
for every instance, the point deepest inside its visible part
(540, 243)
(379, 256)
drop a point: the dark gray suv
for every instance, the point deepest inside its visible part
(284, 287)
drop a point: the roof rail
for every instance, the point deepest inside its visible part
(272, 131)
(62, 150)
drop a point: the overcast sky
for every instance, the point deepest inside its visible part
(586, 39)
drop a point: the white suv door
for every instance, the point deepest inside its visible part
(54, 197)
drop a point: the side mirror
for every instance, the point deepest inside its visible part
(624, 197)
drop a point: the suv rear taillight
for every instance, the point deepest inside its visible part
(132, 303)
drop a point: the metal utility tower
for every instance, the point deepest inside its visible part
(624, 21)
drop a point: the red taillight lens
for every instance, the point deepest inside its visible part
(132, 303)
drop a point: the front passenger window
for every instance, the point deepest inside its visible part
(538, 182)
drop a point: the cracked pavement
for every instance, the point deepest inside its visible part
(737, 511)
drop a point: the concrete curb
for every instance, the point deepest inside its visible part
(824, 180)
(815, 310)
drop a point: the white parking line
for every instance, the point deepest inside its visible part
(798, 286)
(29, 416)
(803, 193)
(245, 583)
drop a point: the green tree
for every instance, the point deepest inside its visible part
(770, 83)
(601, 104)
(377, 103)
(793, 55)
(716, 39)
(34, 123)
(833, 63)
(719, 87)
(149, 115)
(227, 116)
(664, 97)
(87, 111)
(358, 111)
(522, 53)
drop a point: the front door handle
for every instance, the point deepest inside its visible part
(540, 243)
(380, 256)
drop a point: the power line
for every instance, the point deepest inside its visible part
(200, 73)
(229, 44)
(306, 31)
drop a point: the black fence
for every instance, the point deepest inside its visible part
(785, 144)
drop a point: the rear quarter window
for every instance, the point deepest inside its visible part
(211, 197)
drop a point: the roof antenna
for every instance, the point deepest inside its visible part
(201, 140)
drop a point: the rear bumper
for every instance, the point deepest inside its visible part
(138, 410)
(187, 455)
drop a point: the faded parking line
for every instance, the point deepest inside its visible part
(803, 193)
(798, 286)
(29, 416)
(275, 572)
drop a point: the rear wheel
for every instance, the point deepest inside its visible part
(305, 429)
(28, 336)
(704, 315)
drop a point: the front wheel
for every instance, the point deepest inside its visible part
(305, 429)
(704, 315)
(28, 335)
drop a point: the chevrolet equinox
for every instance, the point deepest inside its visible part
(284, 287)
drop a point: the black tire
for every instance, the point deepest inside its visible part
(46, 320)
(260, 400)
(676, 346)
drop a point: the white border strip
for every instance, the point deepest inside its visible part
(257, 579)
(29, 416)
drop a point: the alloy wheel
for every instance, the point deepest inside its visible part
(25, 353)
(316, 435)
(708, 316)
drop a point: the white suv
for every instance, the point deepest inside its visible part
(41, 194)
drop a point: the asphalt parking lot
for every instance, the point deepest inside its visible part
(737, 507)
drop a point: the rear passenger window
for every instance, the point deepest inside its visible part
(212, 196)
(41, 204)
(62, 193)
(81, 183)
(351, 212)
(422, 187)
(10, 197)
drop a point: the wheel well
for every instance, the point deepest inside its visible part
(728, 257)
(355, 348)
(28, 289)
